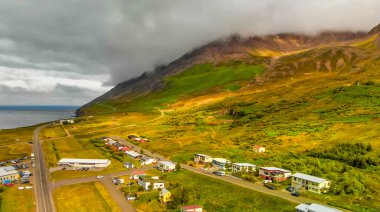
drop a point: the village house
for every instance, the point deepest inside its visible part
(274, 174)
(311, 183)
(191, 208)
(8, 173)
(201, 158)
(106, 139)
(124, 148)
(133, 154)
(148, 182)
(166, 166)
(313, 207)
(145, 160)
(239, 167)
(258, 149)
(66, 121)
(165, 196)
(136, 174)
(128, 165)
(220, 162)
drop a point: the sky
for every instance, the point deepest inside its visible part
(69, 52)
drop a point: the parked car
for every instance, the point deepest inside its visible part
(131, 196)
(99, 177)
(219, 173)
(28, 187)
(290, 189)
(272, 187)
(296, 194)
(21, 188)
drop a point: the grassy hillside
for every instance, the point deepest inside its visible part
(315, 111)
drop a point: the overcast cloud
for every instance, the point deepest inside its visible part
(69, 52)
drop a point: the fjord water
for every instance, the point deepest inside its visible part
(22, 116)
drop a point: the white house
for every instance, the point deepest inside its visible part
(80, 163)
(220, 162)
(191, 208)
(259, 149)
(166, 166)
(149, 183)
(311, 183)
(133, 154)
(145, 160)
(239, 167)
(313, 207)
(66, 121)
(201, 158)
(8, 173)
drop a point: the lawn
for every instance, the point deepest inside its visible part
(84, 197)
(212, 194)
(14, 142)
(16, 200)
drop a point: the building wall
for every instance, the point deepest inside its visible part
(9, 177)
(310, 186)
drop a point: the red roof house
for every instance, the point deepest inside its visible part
(191, 208)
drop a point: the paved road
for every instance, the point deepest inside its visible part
(42, 186)
(234, 180)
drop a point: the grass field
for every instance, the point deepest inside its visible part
(213, 194)
(52, 132)
(84, 197)
(16, 200)
(14, 142)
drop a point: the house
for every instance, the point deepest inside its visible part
(311, 183)
(136, 174)
(165, 195)
(166, 166)
(191, 208)
(84, 163)
(132, 137)
(66, 121)
(128, 165)
(8, 173)
(313, 207)
(133, 154)
(148, 182)
(220, 162)
(239, 167)
(145, 160)
(124, 148)
(111, 142)
(106, 139)
(274, 174)
(258, 149)
(201, 158)
(118, 145)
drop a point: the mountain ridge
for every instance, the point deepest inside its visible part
(257, 49)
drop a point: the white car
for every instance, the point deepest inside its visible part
(28, 187)
(100, 177)
(21, 188)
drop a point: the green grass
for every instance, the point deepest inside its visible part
(52, 132)
(84, 197)
(214, 195)
(17, 200)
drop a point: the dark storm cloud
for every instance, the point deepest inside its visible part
(58, 46)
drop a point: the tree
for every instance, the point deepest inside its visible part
(178, 167)
(369, 148)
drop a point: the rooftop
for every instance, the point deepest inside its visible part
(145, 158)
(168, 163)
(189, 207)
(275, 169)
(244, 164)
(132, 153)
(257, 147)
(222, 160)
(206, 156)
(78, 160)
(7, 170)
(316, 208)
(309, 177)
(164, 191)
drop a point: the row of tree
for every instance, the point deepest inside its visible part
(356, 155)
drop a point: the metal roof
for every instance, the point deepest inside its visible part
(132, 153)
(4, 171)
(275, 169)
(78, 160)
(167, 163)
(309, 178)
(244, 164)
(221, 160)
(316, 208)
